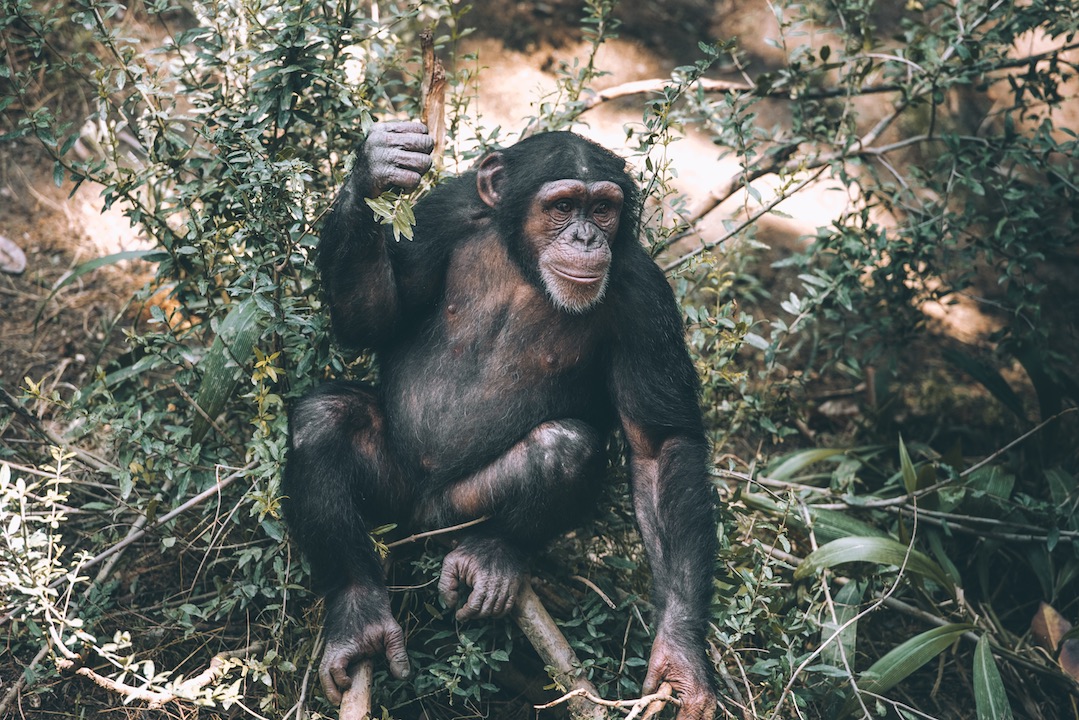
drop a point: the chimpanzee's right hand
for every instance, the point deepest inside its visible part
(359, 625)
(397, 154)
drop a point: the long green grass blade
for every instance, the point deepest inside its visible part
(989, 695)
(904, 659)
(789, 466)
(989, 377)
(882, 551)
(843, 640)
(91, 265)
(910, 475)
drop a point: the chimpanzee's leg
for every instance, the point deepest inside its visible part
(538, 487)
(339, 482)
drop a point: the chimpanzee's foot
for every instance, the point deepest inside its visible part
(492, 569)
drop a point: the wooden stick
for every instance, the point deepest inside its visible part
(356, 704)
(433, 96)
(540, 629)
(663, 696)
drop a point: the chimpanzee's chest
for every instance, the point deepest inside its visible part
(493, 360)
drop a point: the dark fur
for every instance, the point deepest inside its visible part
(487, 391)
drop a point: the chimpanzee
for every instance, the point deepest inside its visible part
(523, 324)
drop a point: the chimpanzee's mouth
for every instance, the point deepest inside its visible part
(577, 276)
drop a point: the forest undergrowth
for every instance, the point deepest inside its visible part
(898, 488)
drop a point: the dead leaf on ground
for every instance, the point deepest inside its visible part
(1049, 627)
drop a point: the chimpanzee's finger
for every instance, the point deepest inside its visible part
(419, 162)
(334, 676)
(396, 655)
(474, 606)
(400, 126)
(448, 585)
(414, 142)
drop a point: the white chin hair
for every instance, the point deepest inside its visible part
(570, 299)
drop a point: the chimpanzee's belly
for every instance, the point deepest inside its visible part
(453, 406)
(494, 360)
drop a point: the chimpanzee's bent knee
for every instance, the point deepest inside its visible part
(569, 456)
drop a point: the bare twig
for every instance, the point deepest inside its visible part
(356, 704)
(432, 533)
(149, 527)
(649, 705)
(20, 682)
(595, 588)
(153, 698)
(641, 87)
(205, 416)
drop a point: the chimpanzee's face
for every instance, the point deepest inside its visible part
(569, 227)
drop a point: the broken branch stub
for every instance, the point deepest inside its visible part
(433, 97)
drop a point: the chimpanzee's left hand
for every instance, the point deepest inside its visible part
(688, 675)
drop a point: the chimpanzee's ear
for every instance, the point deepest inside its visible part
(490, 177)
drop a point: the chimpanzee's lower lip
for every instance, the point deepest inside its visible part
(577, 278)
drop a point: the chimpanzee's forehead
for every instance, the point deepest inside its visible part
(559, 155)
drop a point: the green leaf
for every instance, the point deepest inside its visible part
(910, 476)
(989, 377)
(789, 466)
(841, 642)
(993, 481)
(989, 695)
(232, 349)
(1061, 485)
(904, 659)
(879, 550)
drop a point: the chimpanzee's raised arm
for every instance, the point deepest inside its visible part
(358, 273)
(655, 391)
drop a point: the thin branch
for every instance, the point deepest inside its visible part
(209, 420)
(595, 588)
(132, 537)
(764, 210)
(20, 682)
(656, 85)
(900, 500)
(650, 705)
(153, 698)
(84, 456)
(1013, 443)
(441, 531)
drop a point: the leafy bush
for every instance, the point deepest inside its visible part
(223, 130)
